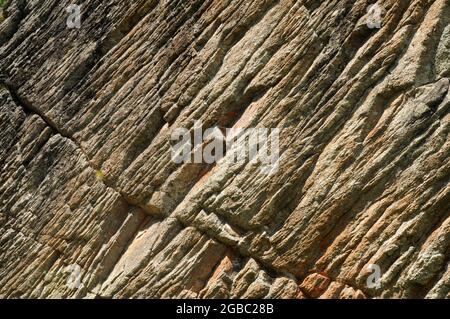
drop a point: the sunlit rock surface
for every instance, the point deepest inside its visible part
(93, 206)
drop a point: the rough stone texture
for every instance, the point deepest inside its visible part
(86, 176)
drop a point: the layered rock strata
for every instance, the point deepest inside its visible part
(88, 183)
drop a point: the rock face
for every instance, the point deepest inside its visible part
(92, 204)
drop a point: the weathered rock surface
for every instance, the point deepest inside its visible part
(86, 117)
